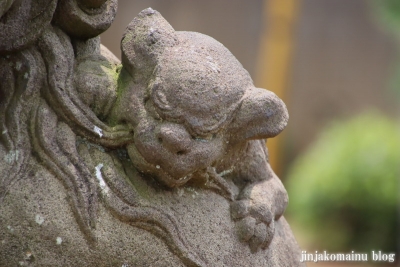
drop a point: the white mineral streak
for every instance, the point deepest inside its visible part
(11, 156)
(225, 172)
(213, 64)
(99, 177)
(98, 131)
(39, 219)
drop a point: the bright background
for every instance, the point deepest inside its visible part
(335, 63)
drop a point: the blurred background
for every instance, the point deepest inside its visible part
(336, 65)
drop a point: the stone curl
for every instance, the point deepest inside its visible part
(22, 22)
(85, 19)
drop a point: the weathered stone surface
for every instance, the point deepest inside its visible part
(160, 161)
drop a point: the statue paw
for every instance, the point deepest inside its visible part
(258, 207)
(257, 229)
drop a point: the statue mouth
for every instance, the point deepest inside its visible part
(157, 171)
(171, 181)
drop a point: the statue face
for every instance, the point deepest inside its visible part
(188, 109)
(168, 151)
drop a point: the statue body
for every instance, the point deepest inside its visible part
(158, 161)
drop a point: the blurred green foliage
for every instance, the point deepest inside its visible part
(388, 12)
(344, 191)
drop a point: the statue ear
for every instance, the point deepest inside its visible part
(261, 115)
(144, 40)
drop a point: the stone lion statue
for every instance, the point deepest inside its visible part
(156, 161)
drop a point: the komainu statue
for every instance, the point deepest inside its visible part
(158, 161)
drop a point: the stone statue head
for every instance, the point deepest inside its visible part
(188, 99)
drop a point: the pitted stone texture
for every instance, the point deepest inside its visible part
(41, 194)
(22, 22)
(203, 216)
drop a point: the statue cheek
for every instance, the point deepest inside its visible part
(207, 152)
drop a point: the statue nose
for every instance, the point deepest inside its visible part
(174, 138)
